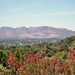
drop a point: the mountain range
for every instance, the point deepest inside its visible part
(35, 32)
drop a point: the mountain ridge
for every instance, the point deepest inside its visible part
(35, 32)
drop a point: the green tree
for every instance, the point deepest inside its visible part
(2, 58)
(1, 47)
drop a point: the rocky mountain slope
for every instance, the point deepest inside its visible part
(35, 32)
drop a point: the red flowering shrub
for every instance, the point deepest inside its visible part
(73, 48)
(37, 65)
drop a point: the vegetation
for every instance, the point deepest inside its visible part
(44, 58)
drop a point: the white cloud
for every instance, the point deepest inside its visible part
(17, 9)
(6, 0)
(2, 18)
(51, 14)
(5, 18)
(61, 13)
(35, 4)
(32, 15)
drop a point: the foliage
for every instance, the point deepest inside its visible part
(45, 59)
(3, 69)
(2, 58)
(58, 55)
(21, 53)
(46, 47)
(36, 64)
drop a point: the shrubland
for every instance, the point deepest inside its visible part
(42, 59)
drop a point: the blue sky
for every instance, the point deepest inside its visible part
(33, 13)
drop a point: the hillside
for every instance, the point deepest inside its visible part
(45, 58)
(35, 32)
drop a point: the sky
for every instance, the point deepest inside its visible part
(35, 13)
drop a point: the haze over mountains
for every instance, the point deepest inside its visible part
(35, 32)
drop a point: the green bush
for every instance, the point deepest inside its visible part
(2, 58)
(59, 55)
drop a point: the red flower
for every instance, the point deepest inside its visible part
(27, 54)
(55, 61)
(40, 56)
(24, 63)
(7, 62)
(70, 51)
(11, 57)
(60, 65)
(51, 60)
(7, 56)
(31, 53)
(36, 57)
(67, 54)
(10, 51)
(59, 60)
(63, 64)
(74, 54)
(71, 57)
(17, 62)
(25, 57)
(21, 62)
(11, 62)
(17, 66)
(74, 48)
(46, 63)
(14, 54)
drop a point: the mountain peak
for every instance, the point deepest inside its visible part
(35, 32)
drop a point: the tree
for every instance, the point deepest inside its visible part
(1, 47)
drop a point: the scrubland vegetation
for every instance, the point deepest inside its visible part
(43, 58)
